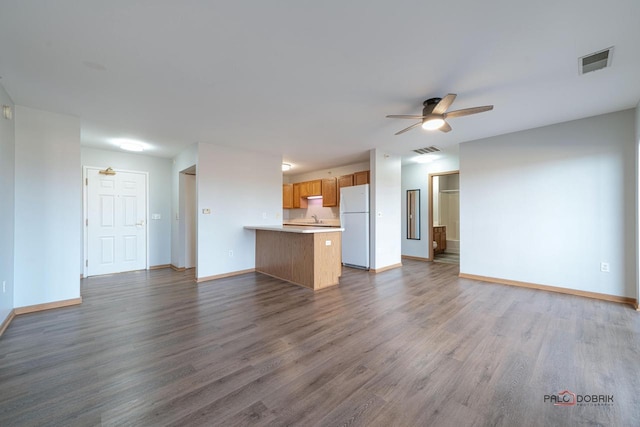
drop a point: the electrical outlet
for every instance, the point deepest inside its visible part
(327, 242)
(206, 211)
(230, 253)
(264, 215)
(604, 267)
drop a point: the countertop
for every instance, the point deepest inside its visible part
(311, 224)
(294, 228)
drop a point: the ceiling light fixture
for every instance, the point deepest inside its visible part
(7, 112)
(132, 146)
(286, 167)
(425, 158)
(432, 123)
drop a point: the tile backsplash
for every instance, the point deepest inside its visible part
(314, 207)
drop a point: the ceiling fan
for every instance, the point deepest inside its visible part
(434, 114)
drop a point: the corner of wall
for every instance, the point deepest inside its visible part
(385, 211)
(7, 210)
(46, 248)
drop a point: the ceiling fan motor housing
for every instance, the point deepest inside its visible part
(429, 105)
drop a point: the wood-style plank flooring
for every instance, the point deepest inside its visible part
(415, 346)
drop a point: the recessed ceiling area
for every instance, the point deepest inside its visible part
(313, 81)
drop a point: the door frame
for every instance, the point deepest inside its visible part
(85, 214)
(430, 196)
(182, 215)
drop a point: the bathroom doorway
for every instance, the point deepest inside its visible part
(444, 217)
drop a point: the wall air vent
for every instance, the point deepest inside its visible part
(595, 61)
(427, 150)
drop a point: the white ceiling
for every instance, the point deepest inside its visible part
(313, 80)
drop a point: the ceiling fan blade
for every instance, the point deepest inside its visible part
(468, 111)
(445, 127)
(407, 129)
(444, 103)
(405, 117)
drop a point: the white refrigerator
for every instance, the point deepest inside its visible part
(354, 218)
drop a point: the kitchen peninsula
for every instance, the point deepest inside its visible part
(305, 255)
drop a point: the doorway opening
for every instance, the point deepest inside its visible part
(444, 217)
(188, 219)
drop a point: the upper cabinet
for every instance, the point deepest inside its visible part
(345, 181)
(314, 188)
(298, 201)
(294, 196)
(329, 192)
(360, 178)
(287, 196)
(311, 188)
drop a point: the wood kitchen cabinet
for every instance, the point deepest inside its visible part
(345, 181)
(309, 259)
(298, 201)
(328, 189)
(440, 237)
(304, 189)
(360, 178)
(311, 188)
(329, 192)
(287, 196)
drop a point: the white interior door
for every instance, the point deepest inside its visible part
(116, 222)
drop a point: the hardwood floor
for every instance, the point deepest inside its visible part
(414, 346)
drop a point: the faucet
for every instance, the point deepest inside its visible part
(315, 217)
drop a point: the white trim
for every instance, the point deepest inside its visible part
(430, 177)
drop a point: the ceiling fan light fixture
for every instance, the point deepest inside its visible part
(432, 123)
(132, 146)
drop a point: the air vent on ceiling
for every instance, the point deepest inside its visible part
(427, 150)
(595, 61)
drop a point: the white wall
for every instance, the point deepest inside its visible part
(48, 207)
(316, 208)
(548, 205)
(240, 188)
(327, 173)
(7, 208)
(386, 200)
(416, 176)
(184, 160)
(159, 170)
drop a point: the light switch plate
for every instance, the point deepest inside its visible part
(206, 211)
(156, 216)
